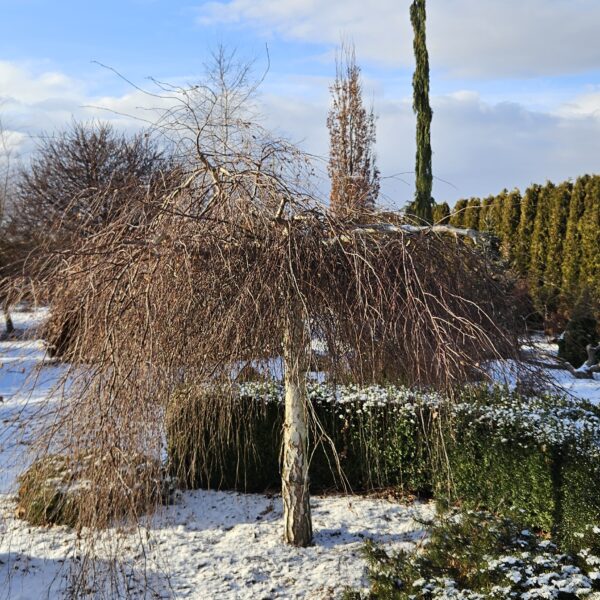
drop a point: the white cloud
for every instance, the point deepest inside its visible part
(584, 105)
(35, 102)
(479, 38)
(479, 146)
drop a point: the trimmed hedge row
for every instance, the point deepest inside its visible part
(378, 438)
(535, 457)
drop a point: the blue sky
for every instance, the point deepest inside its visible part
(515, 84)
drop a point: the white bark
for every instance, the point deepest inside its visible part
(408, 229)
(294, 489)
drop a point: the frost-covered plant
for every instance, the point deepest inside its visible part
(52, 490)
(475, 555)
(543, 419)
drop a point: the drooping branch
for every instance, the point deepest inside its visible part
(184, 295)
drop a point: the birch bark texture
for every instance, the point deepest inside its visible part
(295, 481)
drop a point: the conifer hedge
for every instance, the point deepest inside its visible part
(549, 235)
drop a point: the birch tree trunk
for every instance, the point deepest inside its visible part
(294, 488)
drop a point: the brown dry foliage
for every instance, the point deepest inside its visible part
(352, 169)
(200, 276)
(185, 298)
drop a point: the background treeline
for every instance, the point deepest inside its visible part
(550, 236)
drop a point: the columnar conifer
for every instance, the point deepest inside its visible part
(422, 205)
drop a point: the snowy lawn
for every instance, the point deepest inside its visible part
(209, 545)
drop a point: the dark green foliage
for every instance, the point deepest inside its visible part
(557, 228)
(539, 250)
(422, 206)
(529, 206)
(581, 330)
(471, 218)
(474, 555)
(457, 217)
(377, 448)
(571, 263)
(511, 211)
(550, 237)
(441, 213)
(524, 457)
(502, 475)
(485, 215)
(504, 465)
(589, 232)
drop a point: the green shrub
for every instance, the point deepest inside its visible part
(581, 330)
(377, 434)
(537, 459)
(474, 555)
(534, 458)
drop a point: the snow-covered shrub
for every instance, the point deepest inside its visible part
(48, 493)
(51, 490)
(534, 457)
(377, 433)
(473, 555)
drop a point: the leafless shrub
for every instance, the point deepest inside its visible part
(82, 176)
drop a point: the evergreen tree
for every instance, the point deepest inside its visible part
(484, 214)
(589, 231)
(557, 226)
(458, 213)
(529, 204)
(550, 237)
(352, 169)
(581, 330)
(441, 213)
(539, 249)
(422, 205)
(511, 208)
(471, 219)
(572, 245)
(496, 210)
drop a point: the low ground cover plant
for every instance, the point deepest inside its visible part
(473, 555)
(51, 490)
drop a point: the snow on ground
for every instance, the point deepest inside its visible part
(507, 372)
(209, 545)
(221, 545)
(27, 320)
(586, 389)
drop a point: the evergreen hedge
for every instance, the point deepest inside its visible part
(537, 458)
(377, 434)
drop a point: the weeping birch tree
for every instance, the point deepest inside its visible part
(241, 263)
